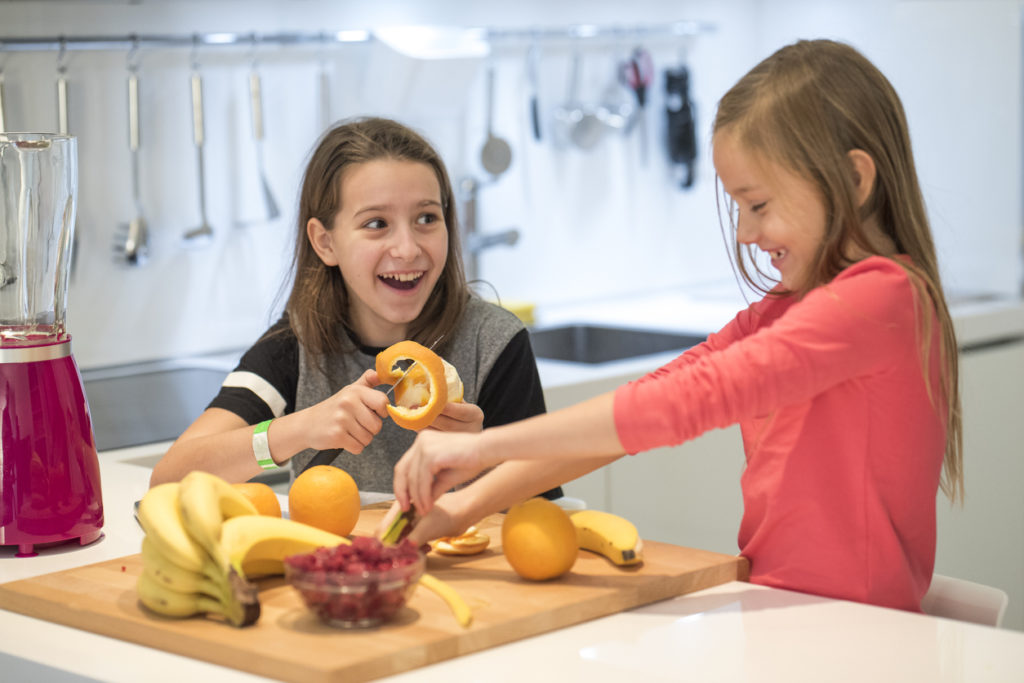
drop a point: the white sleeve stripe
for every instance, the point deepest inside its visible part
(259, 386)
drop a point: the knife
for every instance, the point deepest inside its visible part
(400, 527)
(326, 457)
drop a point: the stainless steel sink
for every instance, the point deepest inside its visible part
(146, 405)
(583, 343)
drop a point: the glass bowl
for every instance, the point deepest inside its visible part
(357, 586)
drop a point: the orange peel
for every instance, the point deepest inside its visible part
(469, 542)
(423, 394)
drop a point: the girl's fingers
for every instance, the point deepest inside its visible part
(393, 511)
(400, 481)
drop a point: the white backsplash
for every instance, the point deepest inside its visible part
(592, 225)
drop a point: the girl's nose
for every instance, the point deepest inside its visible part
(745, 231)
(403, 243)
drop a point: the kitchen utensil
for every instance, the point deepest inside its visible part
(638, 72)
(50, 488)
(581, 126)
(617, 103)
(256, 106)
(203, 233)
(326, 457)
(3, 110)
(324, 77)
(680, 125)
(289, 644)
(532, 63)
(496, 155)
(135, 245)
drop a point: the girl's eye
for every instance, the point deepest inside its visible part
(375, 224)
(427, 218)
(755, 208)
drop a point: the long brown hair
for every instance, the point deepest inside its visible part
(318, 306)
(805, 107)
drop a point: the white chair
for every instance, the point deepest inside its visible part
(965, 600)
(568, 503)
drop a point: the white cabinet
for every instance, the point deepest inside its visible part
(984, 540)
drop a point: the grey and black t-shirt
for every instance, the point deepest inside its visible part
(490, 348)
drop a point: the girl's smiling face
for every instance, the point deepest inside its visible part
(779, 212)
(390, 241)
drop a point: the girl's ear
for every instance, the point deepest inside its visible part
(863, 174)
(320, 240)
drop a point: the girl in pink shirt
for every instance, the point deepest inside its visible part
(843, 377)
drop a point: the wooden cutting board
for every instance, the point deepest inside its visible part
(289, 643)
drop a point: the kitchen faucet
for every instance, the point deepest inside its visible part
(473, 241)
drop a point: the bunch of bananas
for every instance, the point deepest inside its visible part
(204, 540)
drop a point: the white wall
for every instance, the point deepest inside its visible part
(593, 224)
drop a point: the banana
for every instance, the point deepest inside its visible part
(166, 573)
(610, 535)
(259, 544)
(205, 501)
(160, 518)
(456, 604)
(170, 603)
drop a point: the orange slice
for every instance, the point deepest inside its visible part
(423, 394)
(470, 542)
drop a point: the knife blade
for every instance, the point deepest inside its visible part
(400, 527)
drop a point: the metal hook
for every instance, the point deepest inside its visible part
(132, 58)
(253, 50)
(62, 56)
(194, 56)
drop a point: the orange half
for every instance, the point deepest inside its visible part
(423, 394)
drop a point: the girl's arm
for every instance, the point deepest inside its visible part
(554, 447)
(220, 441)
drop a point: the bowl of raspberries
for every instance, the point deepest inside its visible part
(358, 585)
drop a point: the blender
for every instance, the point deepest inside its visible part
(49, 471)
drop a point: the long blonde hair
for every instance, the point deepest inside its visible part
(805, 107)
(318, 305)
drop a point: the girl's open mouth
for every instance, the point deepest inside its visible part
(401, 280)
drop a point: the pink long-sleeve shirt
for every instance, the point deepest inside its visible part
(844, 443)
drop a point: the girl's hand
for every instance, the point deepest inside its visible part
(459, 417)
(441, 521)
(434, 463)
(350, 418)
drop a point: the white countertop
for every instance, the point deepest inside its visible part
(978, 320)
(737, 631)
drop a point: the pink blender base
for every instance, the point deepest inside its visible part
(49, 472)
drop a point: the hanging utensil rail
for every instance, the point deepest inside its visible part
(670, 30)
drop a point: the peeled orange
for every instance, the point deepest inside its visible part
(539, 540)
(325, 497)
(262, 496)
(426, 387)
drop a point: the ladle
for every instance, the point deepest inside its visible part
(203, 232)
(496, 155)
(580, 125)
(256, 106)
(135, 247)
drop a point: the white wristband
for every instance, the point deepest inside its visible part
(261, 446)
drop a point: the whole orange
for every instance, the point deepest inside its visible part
(262, 496)
(539, 539)
(325, 497)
